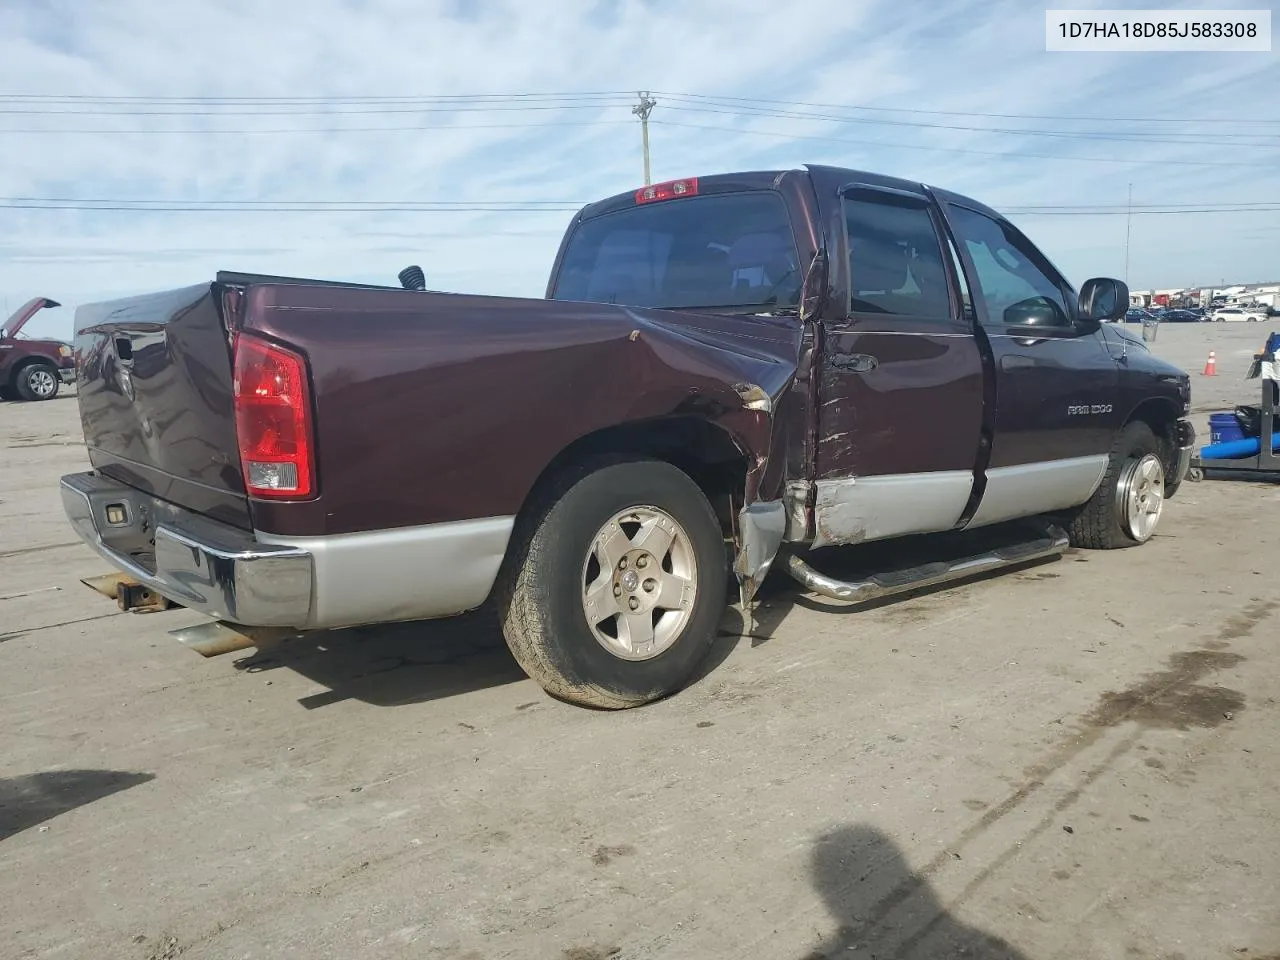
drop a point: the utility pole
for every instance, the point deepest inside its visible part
(1128, 230)
(642, 110)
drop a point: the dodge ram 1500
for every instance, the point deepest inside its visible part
(725, 372)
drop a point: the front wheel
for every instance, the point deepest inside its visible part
(1126, 508)
(37, 381)
(615, 587)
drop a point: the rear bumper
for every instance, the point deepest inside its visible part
(1186, 438)
(210, 567)
(263, 580)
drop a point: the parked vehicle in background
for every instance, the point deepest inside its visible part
(1139, 315)
(725, 372)
(1179, 316)
(1227, 314)
(30, 368)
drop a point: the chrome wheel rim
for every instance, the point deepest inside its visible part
(1140, 496)
(41, 382)
(639, 583)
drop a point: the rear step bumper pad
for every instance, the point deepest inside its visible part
(210, 567)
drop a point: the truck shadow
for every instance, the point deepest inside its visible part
(36, 797)
(881, 908)
(396, 664)
(405, 663)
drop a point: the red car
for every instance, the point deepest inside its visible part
(32, 369)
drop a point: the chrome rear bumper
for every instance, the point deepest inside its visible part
(210, 567)
(1186, 439)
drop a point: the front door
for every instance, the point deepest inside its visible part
(901, 391)
(1055, 386)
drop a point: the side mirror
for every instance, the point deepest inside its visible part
(1102, 299)
(1035, 312)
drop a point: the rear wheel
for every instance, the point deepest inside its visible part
(37, 381)
(1127, 506)
(616, 586)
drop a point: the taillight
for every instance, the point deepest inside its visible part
(668, 191)
(273, 419)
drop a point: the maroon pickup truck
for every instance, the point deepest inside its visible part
(32, 368)
(725, 371)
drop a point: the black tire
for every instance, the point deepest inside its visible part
(6, 393)
(32, 382)
(1098, 525)
(540, 593)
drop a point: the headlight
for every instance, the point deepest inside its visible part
(64, 350)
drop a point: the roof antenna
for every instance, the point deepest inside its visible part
(412, 278)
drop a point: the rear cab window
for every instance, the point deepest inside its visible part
(731, 250)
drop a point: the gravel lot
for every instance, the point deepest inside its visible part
(1076, 760)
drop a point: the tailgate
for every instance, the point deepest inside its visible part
(154, 385)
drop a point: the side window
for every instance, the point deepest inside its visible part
(895, 261)
(1016, 289)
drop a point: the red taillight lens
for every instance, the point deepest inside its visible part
(668, 191)
(273, 419)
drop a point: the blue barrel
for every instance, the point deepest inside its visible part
(1224, 428)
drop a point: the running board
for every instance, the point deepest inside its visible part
(880, 585)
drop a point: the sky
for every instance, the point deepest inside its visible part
(366, 119)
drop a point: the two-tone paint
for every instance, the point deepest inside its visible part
(438, 416)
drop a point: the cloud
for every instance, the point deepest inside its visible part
(954, 55)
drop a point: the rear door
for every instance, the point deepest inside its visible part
(1055, 387)
(154, 386)
(900, 399)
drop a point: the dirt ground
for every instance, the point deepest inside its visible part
(1072, 761)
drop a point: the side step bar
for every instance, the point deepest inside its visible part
(927, 575)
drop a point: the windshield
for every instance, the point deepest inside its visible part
(731, 250)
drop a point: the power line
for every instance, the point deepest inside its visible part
(428, 98)
(1005, 154)
(701, 106)
(1120, 207)
(964, 113)
(1136, 137)
(542, 206)
(1014, 211)
(346, 129)
(702, 103)
(256, 203)
(425, 108)
(272, 207)
(198, 100)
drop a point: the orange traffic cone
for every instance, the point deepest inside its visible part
(1211, 365)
